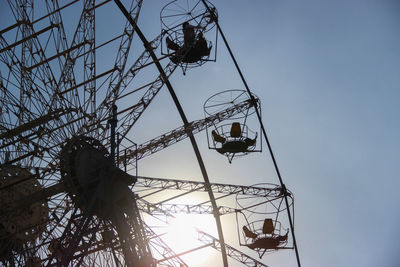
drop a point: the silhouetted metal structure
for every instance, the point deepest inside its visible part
(66, 198)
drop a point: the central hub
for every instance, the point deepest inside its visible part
(94, 184)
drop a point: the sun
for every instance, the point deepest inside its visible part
(181, 235)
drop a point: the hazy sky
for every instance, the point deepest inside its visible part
(327, 74)
(328, 77)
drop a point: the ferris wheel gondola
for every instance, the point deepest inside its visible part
(187, 27)
(265, 236)
(259, 221)
(233, 139)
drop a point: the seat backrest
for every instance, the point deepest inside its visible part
(248, 233)
(217, 137)
(268, 227)
(235, 130)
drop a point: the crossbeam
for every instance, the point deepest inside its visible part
(271, 191)
(165, 209)
(34, 35)
(231, 251)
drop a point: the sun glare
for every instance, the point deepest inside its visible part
(182, 235)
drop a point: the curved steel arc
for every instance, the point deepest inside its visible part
(185, 121)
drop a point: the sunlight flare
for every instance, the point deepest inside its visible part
(181, 234)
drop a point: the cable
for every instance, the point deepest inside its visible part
(262, 128)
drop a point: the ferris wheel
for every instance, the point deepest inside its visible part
(71, 89)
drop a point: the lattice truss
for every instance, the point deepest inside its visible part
(61, 73)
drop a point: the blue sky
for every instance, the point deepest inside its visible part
(330, 73)
(327, 74)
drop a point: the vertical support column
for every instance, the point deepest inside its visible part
(25, 11)
(136, 160)
(113, 123)
(89, 58)
(118, 144)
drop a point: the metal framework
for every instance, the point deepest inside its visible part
(232, 252)
(228, 189)
(60, 80)
(180, 133)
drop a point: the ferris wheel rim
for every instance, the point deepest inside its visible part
(228, 98)
(275, 197)
(187, 14)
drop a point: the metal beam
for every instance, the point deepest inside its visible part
(165, 209)
(181, 133)
(231, 251)
(185, 185)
